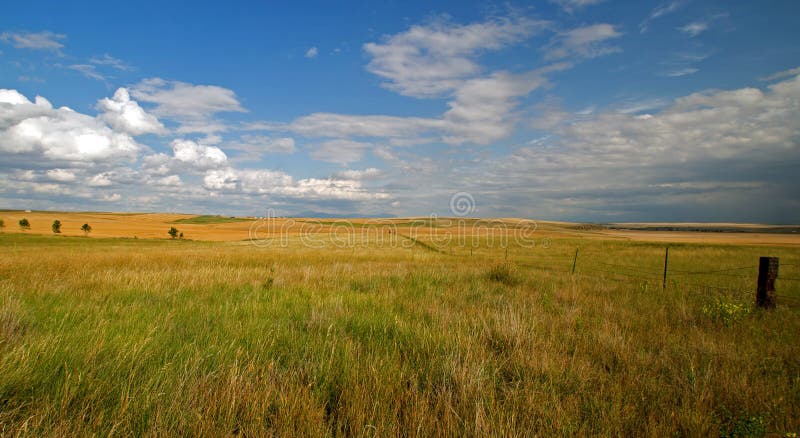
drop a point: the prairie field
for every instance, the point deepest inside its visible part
(390, 335)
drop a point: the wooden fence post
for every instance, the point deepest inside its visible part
(575, 260)
(666, 259)
(765, 290)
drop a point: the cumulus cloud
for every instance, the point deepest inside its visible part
(311, 52)
(339, 151)
(187, 156)
(198, 156)
(481, 111)
(706, 153)
(39, 131)
(280, 184)
(585, 42)
(62, 175)
(124, 114)
(34, 40)
(345, 125)
(193, 106)
(254, 147)
(368, 173)
(432, 60)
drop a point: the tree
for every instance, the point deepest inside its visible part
(173, 232)
(86, 228)
(181, 236)
(24, 224)
(2, 224)
(57, 226)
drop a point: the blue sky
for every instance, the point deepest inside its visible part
(595, 110)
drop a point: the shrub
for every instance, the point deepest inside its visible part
(56, 226)
(173, 232)
(24, 224)
(503, 273)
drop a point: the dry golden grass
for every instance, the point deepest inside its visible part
(156, 225)
(158, 337)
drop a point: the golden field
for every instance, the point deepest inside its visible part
(390, 335)
(218, 228)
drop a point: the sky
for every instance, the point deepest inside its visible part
(580, 110)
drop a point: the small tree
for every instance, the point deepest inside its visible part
(86, 228)
(2, 225)
(24, 224)
(57, 226)
(173, 232)
(181, 236)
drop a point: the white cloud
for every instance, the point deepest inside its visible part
(34, 40)
(169, 181)
(717, 144)
(681, 72)
(571, 6)
(254, 147)
(100, 180)
(61, 175)
(36, 129)
(482, 111)
(695, 28)
(87, 70)
(194, 106)
(276, 183)
(340, 151)
(198, 156)
(659, 12)
(344, 125)
(432, 60)
(124, 114)
(311, 52)
(584, 42)
(783, 74)
(368, 173)
(108, 60)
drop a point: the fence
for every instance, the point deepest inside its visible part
(760, 278)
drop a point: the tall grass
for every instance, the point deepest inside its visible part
(137, 337)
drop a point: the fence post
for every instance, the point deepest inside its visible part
(575, 260)
(666, 260)
(765, 290)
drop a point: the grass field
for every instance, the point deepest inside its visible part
(123, 336)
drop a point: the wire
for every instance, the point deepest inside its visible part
(715, 273)
(709, 272)
(632, 268)
(621, 273)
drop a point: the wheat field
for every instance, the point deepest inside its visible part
(151, 337)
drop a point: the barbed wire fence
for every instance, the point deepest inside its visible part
(745, 279)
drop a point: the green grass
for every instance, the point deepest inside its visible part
(155, 337)
(209, 219)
